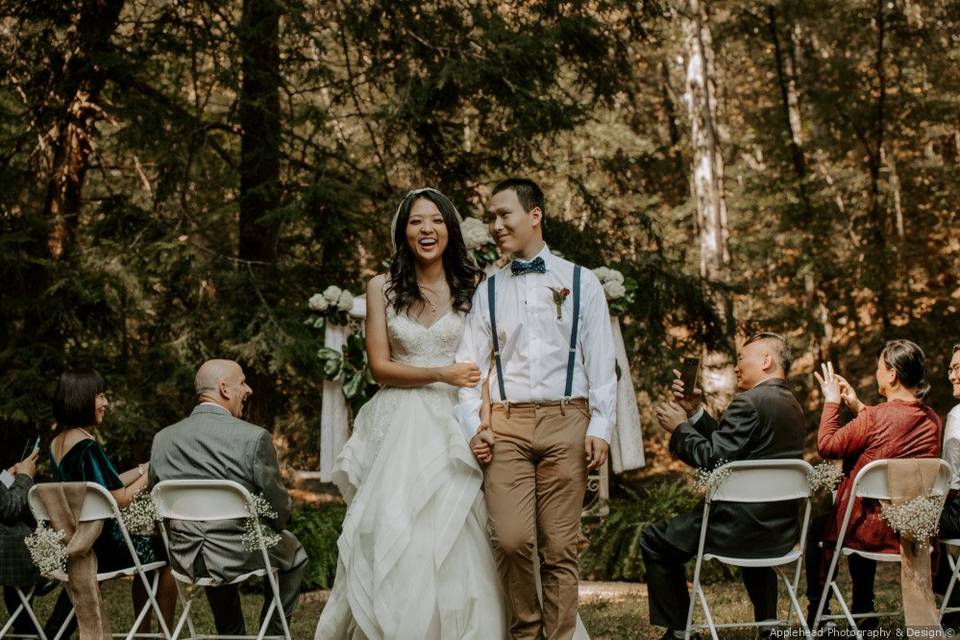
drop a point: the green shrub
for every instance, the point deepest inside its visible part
(318, 530)
(614, 551)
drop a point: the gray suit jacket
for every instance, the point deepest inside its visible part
(212, 444)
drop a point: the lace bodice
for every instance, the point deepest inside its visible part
(412, 343)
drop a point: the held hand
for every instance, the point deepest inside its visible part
(829, 383)
(482, 444)
(461, 374)
(670, 415)
(27, 466)
(691, 402)
(597, 449)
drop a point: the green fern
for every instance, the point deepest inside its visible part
(614, 551)
(318, 530)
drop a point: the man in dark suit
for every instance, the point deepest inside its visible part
(214, 443)
(763, 421)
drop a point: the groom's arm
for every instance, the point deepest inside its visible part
(476, 345)
(599, 357)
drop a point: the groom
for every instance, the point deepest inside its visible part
(543, 322)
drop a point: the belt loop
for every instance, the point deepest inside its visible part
(563, 406)
(506, 406)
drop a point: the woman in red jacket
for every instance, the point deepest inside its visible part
(901, 427)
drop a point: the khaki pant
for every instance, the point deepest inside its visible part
(534, 489)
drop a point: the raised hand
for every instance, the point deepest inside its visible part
(461, 374)
(849, 395)
(482, 444)
(829, 383)
(690, 402)
(670, 415)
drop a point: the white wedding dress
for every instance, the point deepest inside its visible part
(415, 559)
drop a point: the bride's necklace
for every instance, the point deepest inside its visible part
(434, 308)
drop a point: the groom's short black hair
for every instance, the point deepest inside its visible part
(528, 192)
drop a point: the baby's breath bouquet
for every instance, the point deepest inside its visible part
(254, 531)
(915, 520)
(825, 475)
(706, 479)
(47, 550)
(140, 516)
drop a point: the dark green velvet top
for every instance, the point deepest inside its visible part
(86, 461)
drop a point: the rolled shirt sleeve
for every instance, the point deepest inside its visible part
(599, 357)
(476, 346)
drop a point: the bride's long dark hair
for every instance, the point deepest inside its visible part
(463, 274)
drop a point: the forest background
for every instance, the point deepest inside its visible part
(177, 178)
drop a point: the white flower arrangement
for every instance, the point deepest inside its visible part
(475, 233)
(916, 520)
(825, 475)
(706, 479)
(618, 289)
(334, 304)
(254, 531)
(318, 302)
(140, 517)
(47, 550)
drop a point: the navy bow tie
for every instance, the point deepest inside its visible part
(519, 267)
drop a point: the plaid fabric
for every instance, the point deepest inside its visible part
(16, 568)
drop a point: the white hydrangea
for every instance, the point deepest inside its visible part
(614, 289)
(345, 301)
(332, 293)
(475, 233)
(606, 274)
(318, 303)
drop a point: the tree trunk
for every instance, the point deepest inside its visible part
(79, 88)
(707, 187)
(260, 125)
(259, 229)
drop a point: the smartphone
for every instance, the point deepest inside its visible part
(32, 445)
(689, 371)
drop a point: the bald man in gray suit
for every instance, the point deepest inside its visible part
(214, 443)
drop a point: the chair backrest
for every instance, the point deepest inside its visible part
(98, 504)
(762, 481)
(871, 481)
(202, 500)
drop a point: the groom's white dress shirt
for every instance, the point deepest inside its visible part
(534, 344)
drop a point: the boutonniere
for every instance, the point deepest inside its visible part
(559, 295)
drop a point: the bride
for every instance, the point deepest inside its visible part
(415, 560)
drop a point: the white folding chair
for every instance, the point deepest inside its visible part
(870, 482)
(23, 608)
(211, 501)
(952, 559)
(98, 504)
(755, 481)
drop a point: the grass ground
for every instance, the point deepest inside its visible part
(611, 614)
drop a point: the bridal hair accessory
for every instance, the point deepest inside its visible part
(413, 194)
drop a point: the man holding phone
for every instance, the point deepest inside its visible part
(763, 421)
(16, 568)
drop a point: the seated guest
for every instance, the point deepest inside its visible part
(16, 567)
(900, 427)
(214, 443)
(79, 405)
(950, 518)
(763, 421)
